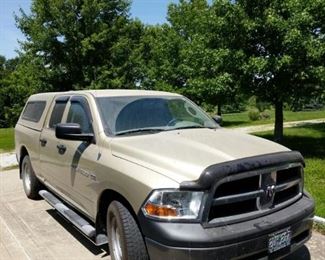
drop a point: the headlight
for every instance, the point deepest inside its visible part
(173, 204)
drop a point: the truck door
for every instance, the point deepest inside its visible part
(50, 158)
(80, 158)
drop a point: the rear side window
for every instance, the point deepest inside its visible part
(33, 111)
(57, 113)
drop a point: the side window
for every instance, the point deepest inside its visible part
(80, 115)
(33, 111)
(57, 113)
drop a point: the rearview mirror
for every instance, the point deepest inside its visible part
(72, 131)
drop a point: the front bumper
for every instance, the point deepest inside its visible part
(247, 239)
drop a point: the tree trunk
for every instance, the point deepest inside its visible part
(219, 109)
(278, 127)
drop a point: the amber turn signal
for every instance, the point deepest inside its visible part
(159, 210)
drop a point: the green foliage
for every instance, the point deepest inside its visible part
(265, 115)
(258, 109)
(286, 48)
(160, 59)
(70, 45)
(286, 51)
(11, 96)
(18, 81)
(253, 114)
(237, 106)
(196, 54)
(216, 53)
(255, 102)
(81, 44)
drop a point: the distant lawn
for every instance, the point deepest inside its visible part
(310, 141)
(242, 119)
(7, 142)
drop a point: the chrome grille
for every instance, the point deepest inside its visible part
(247, 195)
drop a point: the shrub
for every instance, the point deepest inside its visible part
(262, 106)
(254, 114)
(266, 114)
(251, 103)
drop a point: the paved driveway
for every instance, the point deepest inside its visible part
(269, 127)
(33, 230)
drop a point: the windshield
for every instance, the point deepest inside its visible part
(122, 115)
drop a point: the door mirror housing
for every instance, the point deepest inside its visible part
(72, 131)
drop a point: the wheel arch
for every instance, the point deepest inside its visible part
(106, 197)
(22, 154)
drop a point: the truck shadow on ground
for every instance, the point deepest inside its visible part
(309, 146)
(301, 254)
(95, 250)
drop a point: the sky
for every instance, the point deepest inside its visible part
(148, 11)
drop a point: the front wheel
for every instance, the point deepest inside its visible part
(30, 182)
(125, 239)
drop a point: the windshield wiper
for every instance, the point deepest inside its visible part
(191, 127)
(140, 130)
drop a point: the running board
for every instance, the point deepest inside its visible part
(79, 222)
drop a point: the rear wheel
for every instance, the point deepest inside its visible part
(30, 182)
(125, 239)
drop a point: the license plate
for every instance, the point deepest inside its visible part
(279, 240)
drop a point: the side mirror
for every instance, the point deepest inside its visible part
(217, 119)
(72, 131)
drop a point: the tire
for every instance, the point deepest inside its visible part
(30, 182)
(125, 239)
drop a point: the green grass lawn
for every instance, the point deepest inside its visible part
(7, 142)
(310, 141)
(242, 119)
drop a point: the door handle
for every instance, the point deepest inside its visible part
(43, 142)
(61, 148)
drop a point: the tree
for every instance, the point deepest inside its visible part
(213, 53)
(2, 78)
(80, 43)
(159, 59)
(11, 99)
(196, 53)
(286, 51)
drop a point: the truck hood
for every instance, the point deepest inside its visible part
(182, 155)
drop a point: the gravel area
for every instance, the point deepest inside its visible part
(7, 160)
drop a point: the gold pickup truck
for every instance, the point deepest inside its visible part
(156, 177)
